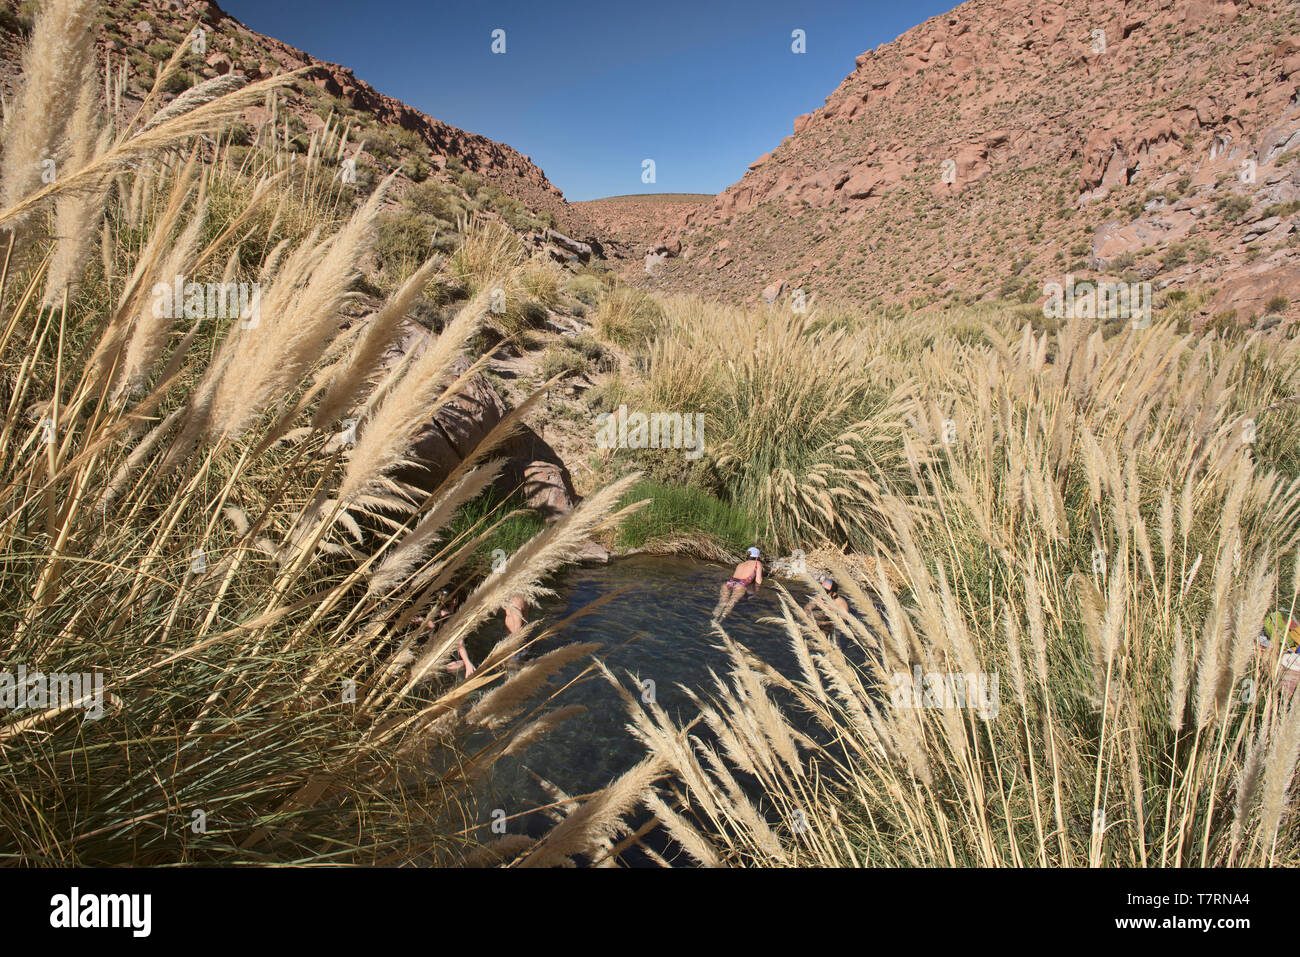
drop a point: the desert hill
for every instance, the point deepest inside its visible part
(1008, 144)
(137, 35)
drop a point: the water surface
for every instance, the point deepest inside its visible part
(659, 629)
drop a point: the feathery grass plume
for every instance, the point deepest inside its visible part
(1012, 631)
(1279, 770)
(1213, 640)
(55, 62)
(538, 728)
(1248, 779)
(397, 565)
(489, 254)
(1037, 639)
(385, 437)
(151, 327)
(356, 374)
(683, 832)
(126, 151)
(523, 571)
(77, 215)
(1178, 680)
(211, 89)
(597, 820)
(132, 304)
(297, 317)
(503, 702)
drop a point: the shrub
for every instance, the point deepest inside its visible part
(1233, 206)
(562, 359)
(627, 317)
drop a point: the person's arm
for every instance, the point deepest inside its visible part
(758, 575)
(816, 609)
(464, 656)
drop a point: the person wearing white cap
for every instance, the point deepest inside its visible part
(748, 573)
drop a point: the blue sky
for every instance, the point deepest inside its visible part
(590, 90)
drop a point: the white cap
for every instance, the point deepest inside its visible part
(753, 553)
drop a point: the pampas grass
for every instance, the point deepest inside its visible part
(77, 216)
(1139, 723)
(299, 316)
(164, 488)
(55, 65)
(800, 435)
(356, 376)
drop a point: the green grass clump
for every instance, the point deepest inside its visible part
(563, 359)
(679, 512)
(511, 525)
(627, 317)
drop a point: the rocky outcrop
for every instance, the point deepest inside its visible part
(1248, 294)
(637, 225)
(532, 467)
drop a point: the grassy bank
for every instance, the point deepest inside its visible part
(683, 519)
(209, 512)
(1095, 524)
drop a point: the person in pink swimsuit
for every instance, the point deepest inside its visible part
(748, 574)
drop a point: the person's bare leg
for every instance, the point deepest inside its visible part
(514, 612)
(722, 600)
(729, 600)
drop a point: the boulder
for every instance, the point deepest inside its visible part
(593, 552)
(1279, 138)
(536, 470)
(863, 182)
(455, 431)
(581, 250)
(669, 247)
(1249, 292)
(220, 63)
(1113, 239)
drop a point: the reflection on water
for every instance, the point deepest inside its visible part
(659, 630)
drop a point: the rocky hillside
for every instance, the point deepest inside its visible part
(641, 222)
(141, 33)
(1007, 143)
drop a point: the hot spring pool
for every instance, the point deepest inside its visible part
(659, 629)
